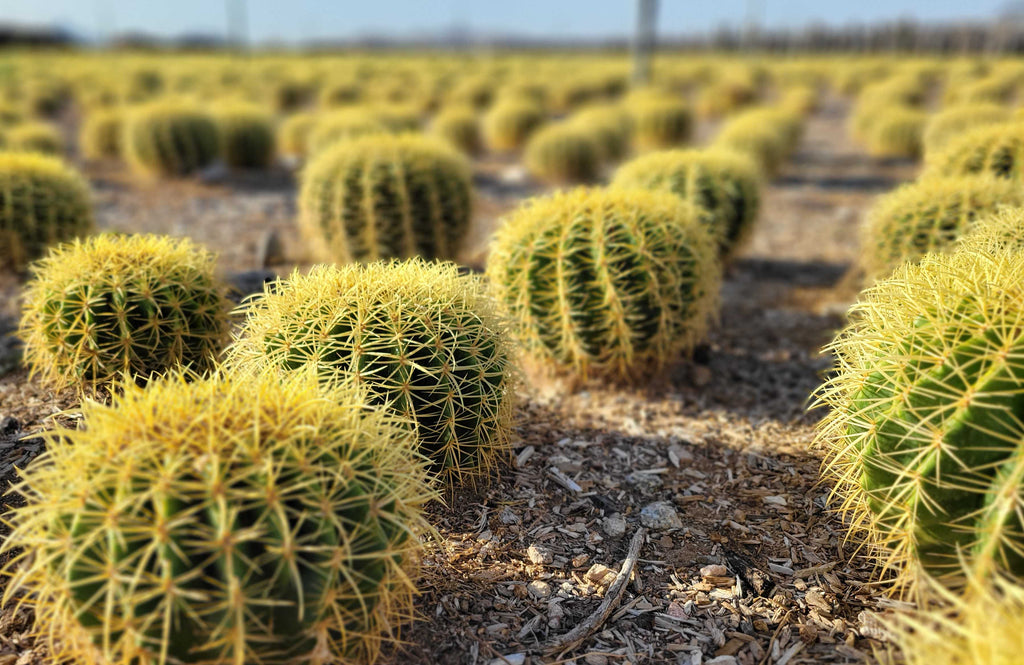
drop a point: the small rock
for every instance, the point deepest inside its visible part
(614, 526)
(539, 555)
(509, 659)
(714, 570)
(722, 660)
(774, 500)
(539, 589)
(595, 659)
(660, 515)
(271, 250)
(600, 574)
(645, 482)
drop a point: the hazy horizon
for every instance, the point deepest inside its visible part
(312, 20)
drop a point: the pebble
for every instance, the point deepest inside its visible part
(539, 589)
(508, 516)
(714, 570)
(614, 526)
(600, 574)
(509, 659)
(595, 659)
(539, 555)
(659, 516)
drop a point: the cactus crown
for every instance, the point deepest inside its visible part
(928, 215)
(613, 282)
(723, 185)
(926, 428)
(386, 197)
(235, 519)
(112, 305)
(420, 338)
(42, 202)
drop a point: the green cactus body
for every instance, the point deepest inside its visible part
(386, 197)
(341, 125)
(421, 339)
(563, 153)
(100, 135)
(995, 150)
(896, 131)
(169, 140)
(40, 137)
(950, 123)
(606, 282)
(926, 435)
(723, 185)
(42, 202)
(234, 519)
(113, 305)
(611, 127)
(508, 125)
(246, 136)
(660, 123)
(460, 128)
(929, 216)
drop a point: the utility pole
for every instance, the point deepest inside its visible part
(238, 24)
(643, 40)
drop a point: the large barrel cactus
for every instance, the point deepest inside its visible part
(563, 153)
(42, 202)
(925, 437)
(236, 519)
(996, 150)
(162, 139)
(723, 185)
(421, 339)
(928, 215)
(952, 122)
(606, 282)
(110, 306)
(386, 197)
(245, 135)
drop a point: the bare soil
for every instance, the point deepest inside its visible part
(745, 565)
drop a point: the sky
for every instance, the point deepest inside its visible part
(290, 21)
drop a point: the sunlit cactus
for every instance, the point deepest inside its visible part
(343, 124)
(928, 215)
(660, 122)
(606, 282)
(100, 134)
(233, 519)
(508, 125)
(984, 625)
(386, 197)
(610, 126)
(924, 438)
(998, 231)
(162, 139)
(460, 127)
(948, 124)
(113, 306)
(768, 135)
(723, 185)
(42, 202)
(293, 134)
(421, 340)
(245, 135)
(995, 150)
(38, 137)
(896, 131)
(563, 153)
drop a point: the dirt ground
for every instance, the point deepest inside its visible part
(740, 561)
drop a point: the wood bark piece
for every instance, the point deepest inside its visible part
(574, 637)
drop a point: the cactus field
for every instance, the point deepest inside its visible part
(506, 359)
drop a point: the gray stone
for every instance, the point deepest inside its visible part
(659, 516)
